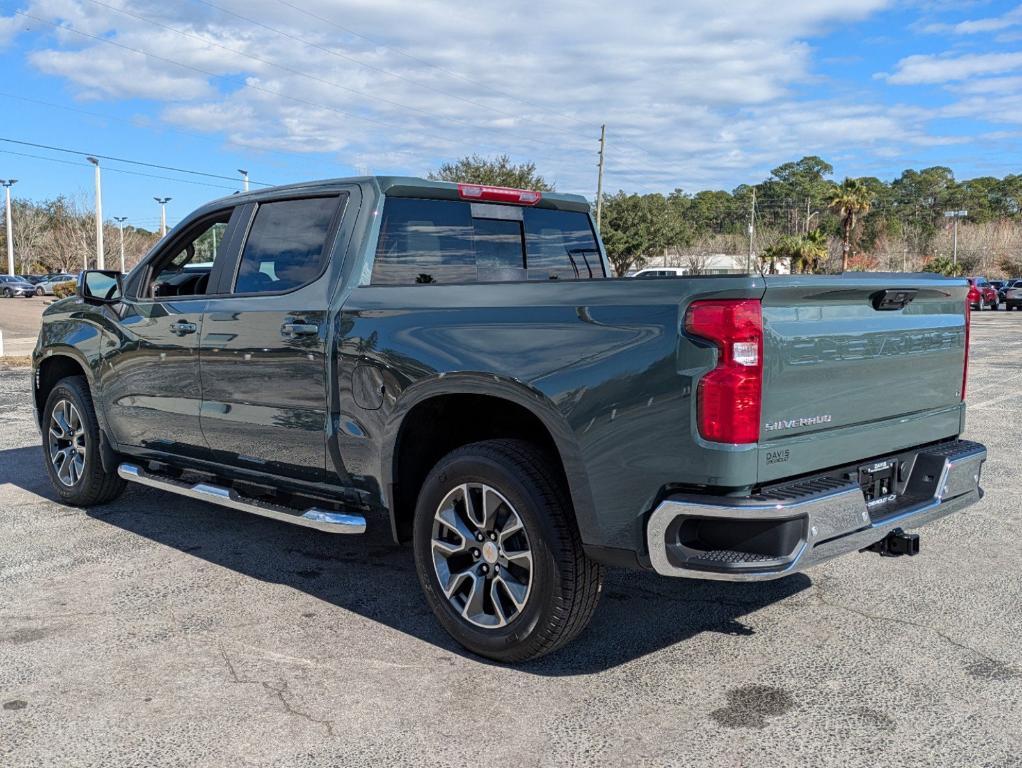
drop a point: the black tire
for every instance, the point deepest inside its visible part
(565, 583)
(94, 485)
(40, 292)
(7, 293)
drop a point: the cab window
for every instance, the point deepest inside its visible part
(287, 245)
(185, 270)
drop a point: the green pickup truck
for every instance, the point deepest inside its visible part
(456, 361)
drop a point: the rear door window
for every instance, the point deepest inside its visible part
(447, 241)
(286, 246)
(560, 245)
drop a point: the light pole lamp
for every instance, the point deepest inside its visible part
(120, 228)
(100, 261)
(955, 216)
(8, 183)
(163, 213)
(244, 178)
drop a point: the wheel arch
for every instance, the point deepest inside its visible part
(472, 408)
(60, 364)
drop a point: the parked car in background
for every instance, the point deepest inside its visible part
(1013, 295)
(45, 286)
(1003, 286)
(982, 294)
(661, 272)
(12, 285)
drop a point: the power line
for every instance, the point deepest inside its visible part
(116, 170)
(207, 73)
(114, 118)
(129, 162)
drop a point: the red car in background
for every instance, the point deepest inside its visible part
(982, 294)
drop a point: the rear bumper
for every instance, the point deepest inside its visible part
(804, 523)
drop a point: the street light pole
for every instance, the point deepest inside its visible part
(244, 178)
(955, 216)
(163, 213)
(8, 183)
(100, 261)
(120, 228)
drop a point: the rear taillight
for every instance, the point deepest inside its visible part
(729, 398)
(965, 365)
(499, 194)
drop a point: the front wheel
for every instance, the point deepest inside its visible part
(7, 293)
(71, 447)
(498, 553)
(40, 292)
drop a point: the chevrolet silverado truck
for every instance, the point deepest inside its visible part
(457, 361)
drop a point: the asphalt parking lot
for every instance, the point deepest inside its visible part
(159, 631)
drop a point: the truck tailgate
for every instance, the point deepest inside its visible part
(842, 351)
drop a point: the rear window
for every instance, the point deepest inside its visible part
(447, 241)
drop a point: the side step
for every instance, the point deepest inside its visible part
(320, 519)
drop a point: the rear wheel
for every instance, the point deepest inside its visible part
(40, 292)
(8, 293)
(498, 554)
(71, 447)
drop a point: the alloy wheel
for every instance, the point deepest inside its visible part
(66, 440)
(481, 555)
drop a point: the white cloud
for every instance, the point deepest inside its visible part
(925, 68)
(979, 26)
(694, 94)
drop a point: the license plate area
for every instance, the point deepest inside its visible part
(878, 481)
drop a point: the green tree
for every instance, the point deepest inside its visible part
(636, 227)
(497, 172)
(805, 253)
(849, 199)
(943, 265)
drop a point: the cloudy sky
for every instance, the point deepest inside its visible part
(695, 94)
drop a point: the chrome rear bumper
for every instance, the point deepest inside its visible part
(808, 528)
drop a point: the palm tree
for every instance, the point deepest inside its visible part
(813, 251)
(848, 200)
(803, 252)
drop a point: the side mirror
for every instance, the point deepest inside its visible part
(100, 286)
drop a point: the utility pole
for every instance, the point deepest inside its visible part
(955, 216)
(120, 226)
(752, 232)
(8, 183)
(99, 216)
(244, 178)
(599, 177)
(163, 213)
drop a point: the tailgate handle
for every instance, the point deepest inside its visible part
(892, 299)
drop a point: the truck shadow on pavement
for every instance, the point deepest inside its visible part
(639, 613)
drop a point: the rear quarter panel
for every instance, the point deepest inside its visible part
(598, 361)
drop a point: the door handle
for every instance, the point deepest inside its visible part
(299, 329)
(181, 328)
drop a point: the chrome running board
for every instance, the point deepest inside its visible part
(320, 519)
